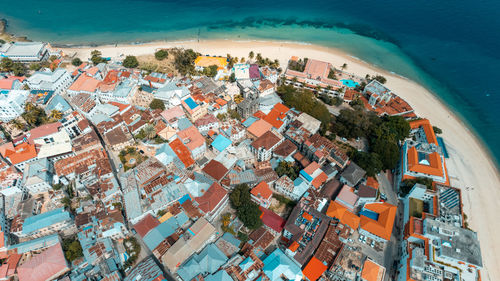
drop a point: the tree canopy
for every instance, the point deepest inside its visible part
(161, 54)
(210, 71)
(305, 101)
(157, 104)
(383, 133)
(72, 249)
(130, 62)
(289, 169)
(76, 61)
(246, 210)
(184, 60)
(96, 58)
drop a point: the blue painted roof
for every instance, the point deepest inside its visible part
(191, 103)
(250, 120)
(305, 175)
(231, 239)
(57, 103)
(221, 142)
(246, 264)
(34, 223)
(184, 199)
(183, 124)
(164, 230)
(207, 261)
(35, 244)
(277, 264)
(220, 275)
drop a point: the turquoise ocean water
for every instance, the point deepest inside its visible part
(451, 47)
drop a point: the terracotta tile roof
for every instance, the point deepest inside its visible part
(267, 140)
(84, 83)
(191, 137)
(272, 220)
(262, 190)
(146, 224)
(171, 113)
(434, 160)
(205, 120)
(314, 269)
(285, 148)
(44, 266)
(372, 271)
(335, 210)
(372, 182)
(259, 127)
(351, 94)
(211, 198)
(259, 114)
(382, 227)
(215, 169)
(182, 152)
(426, 125)
(21, 153)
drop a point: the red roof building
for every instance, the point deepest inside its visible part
(146, 224)
(47, 265)
(272, 221)
(314, 269)
(215, 169)
(182, 152)
(262, 194)
(213, 201)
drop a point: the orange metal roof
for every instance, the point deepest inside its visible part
(307, 216)
(262, 190)
(372, 182)
(294, 246)
(314, 269)
(434, 167)
(383, 226)
(429, 131)
(319, 180)
(372, 271)
(335, 210)
(21, 153)
(182, 152)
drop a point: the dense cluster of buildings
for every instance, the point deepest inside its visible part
(122, 180)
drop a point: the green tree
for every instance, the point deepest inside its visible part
(437, 130)
(331, 74)
(76, 61)
(380, 79)
(251, 55)
(157, 104)
(19, 69)
(52, 58)
(130, 62)
(184, 60)
(72, 249)
(6, 64)
(149, 131)
(232, 77)
(210, 71)
(344, 66)
(96, 58)
(161, 54)
(370, 162)
(35, 66)
(289, 169)
(246, 210)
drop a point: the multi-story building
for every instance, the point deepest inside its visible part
(12, 104)
(37, 176)
(47, 223)
(422, 156)
(57, 81)
(264, 146)
(24, 51)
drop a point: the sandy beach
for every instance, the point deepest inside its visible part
(470, 165)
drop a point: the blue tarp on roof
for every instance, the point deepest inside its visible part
(221, 142)
(369, 214)
(191, 103)
(164, 230)
(184, 199)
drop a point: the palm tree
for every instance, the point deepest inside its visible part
(150, 131)
(17, 124)
(250, 55)
(344, 66)
(31, 119)
(56, 114)
(242, 60)
(29, 107)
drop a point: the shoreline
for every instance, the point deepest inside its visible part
(349, 57)
(466, 166)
